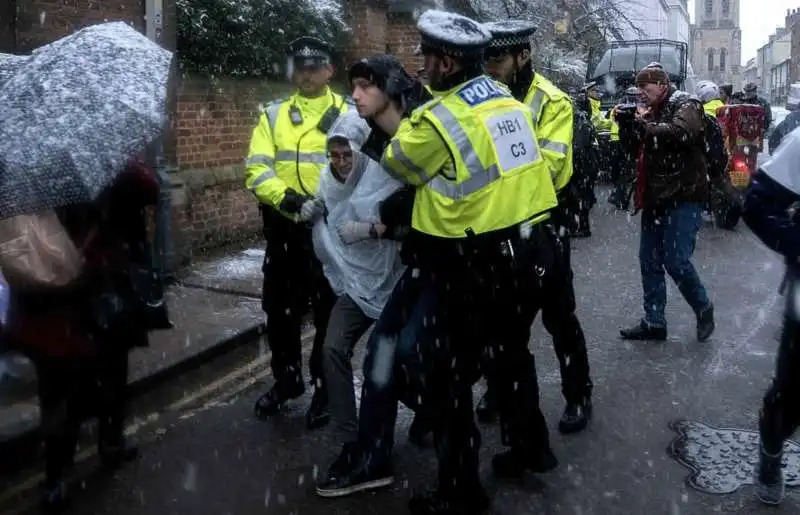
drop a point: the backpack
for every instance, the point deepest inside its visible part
(714, 142)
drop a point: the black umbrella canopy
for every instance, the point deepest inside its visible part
(73, 113)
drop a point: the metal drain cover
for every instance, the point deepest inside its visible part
(722, 460)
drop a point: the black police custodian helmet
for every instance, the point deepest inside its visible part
(509, 37)
(452, 34)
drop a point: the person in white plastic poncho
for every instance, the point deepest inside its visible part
(360, 256)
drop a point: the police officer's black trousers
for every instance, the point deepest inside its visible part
(780, 413)
(560, 320)
(488, 297)
(293, 283)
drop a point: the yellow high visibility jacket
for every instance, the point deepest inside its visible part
(474, 156)
(552, 118)
(287, 155)
(602, 123)
(711, 107)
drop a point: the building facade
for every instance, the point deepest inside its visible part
(651, 18)
(716, 41)
(750, 72)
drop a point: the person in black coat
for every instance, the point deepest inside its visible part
(772, 211)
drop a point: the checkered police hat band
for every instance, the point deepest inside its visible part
(509, 41)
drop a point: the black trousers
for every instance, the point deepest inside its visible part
(293, 282)
(780, 412)
(560, 320)
(557, 304)
(73, 389)
(488, 298)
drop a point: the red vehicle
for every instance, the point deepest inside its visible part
(743, 130)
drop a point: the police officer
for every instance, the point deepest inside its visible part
(509, 60)
(287, 154)
(483, 191)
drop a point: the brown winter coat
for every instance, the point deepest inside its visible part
(674, 162)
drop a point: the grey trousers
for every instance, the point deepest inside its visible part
(347, 324)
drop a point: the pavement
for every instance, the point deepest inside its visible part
(652, 401)
(215, 305)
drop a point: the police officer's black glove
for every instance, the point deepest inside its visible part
(292, 201)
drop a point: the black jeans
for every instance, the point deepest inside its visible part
(293, 280)
(73, 389)
(780, 413)
(396, 364)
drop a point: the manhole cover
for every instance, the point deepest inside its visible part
(722, 460)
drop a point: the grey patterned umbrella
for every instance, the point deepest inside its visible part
(74, 112)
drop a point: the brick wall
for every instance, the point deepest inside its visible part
(213, 125)
(376, 30)
(43, 21)
(402, 40)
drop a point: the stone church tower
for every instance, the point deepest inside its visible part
(715, 44)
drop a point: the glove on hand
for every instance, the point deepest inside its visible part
(352, 232)
(311, 210)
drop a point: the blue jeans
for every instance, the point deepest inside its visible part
(392, 359)
(667, 244)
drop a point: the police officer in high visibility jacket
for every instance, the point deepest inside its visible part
(509, 61)
(709, 94)
(483, 193)
(287, 154)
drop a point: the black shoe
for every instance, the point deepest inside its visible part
(705, 323)
(486, 410)
(419, 430)
(349, 475)
(114, 455)
(433, 503)
(582, 233)
(514, 462)
(54, 497)
(768, 481)
(317, 415)
(576, 417)
(274, 401)
(644, 331)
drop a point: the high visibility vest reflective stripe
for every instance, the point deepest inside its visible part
(480, 195)
(552, 117)
(274, 162)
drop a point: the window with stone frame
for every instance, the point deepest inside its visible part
(723, 54)
(709, 7)
(726, 7)
(710, 59)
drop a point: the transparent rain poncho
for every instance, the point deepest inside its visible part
(368, 270)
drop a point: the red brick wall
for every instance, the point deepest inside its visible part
(213, 126)
(367, 19)
(402, 39)
(43, 21)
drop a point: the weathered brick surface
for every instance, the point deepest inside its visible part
(376, 30)
(402, 40)
(43, 21)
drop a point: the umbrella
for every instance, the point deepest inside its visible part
(74, 112)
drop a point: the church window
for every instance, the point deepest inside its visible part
(726, 7)
(722, 55)
(709, 7)
(710, 59)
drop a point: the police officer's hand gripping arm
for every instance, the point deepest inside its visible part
(269, 189)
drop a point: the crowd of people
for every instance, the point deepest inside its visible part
(438, 209)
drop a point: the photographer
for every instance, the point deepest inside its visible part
(671, 186)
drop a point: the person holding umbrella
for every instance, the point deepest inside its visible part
(287, 154)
